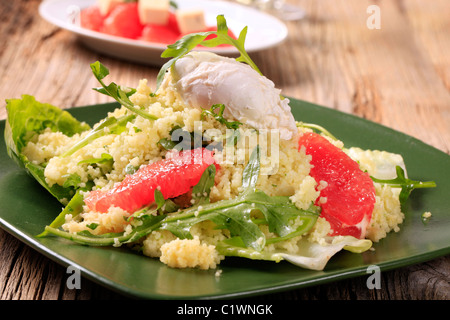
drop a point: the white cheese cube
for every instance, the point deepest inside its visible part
(106, 6)
(154, 11)
(191, 20)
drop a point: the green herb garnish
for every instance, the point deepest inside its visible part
(219, 116)
(110, 125)
(190, 41)
(316, 127)
(119, 93)
(407, 185)
(92, 225)
(72, 180)
(105, 158)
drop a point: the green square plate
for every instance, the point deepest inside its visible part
(26, 208)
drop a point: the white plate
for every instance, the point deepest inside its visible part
(264, 30)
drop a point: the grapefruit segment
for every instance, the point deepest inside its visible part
(159, 34)
(123, 21)
(347, 194)
(91, 18)
(173, 176)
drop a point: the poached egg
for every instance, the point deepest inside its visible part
(203, 79)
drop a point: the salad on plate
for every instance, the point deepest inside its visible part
(209, 164)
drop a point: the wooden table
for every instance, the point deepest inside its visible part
(398, 75)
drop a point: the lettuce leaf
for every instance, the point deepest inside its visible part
(311, 255)
(26, 119)
(315, 256)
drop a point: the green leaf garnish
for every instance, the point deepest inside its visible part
(200, 192)
(27, 118)
(407, 185)
(251, 171)
(110, 125)
(120, 94)
(92, 225)
(74, 208)
(190, 41)
(316, 127)
(72, 180)
(224, 38)
(105, 158)
(219, 116)
(128, 91)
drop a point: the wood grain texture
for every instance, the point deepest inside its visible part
(398, 76)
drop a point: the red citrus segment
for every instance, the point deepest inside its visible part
(91, 18)
(123, 21)
(159, 34)
(348, 199)
(172, 176)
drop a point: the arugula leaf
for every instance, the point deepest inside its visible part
(279, 212)
(128, 91)
(130, 169)
(183, 140)
(226, 215)
(406, 185)
(234, 247)
(74, 207)
(120, 94)
(159, 201)
(110, 125)
(105, 158)
(150, 223)
(72, 180)
(316, 127)
(92, 226)
(173, 4)
(167, 143)
(219, 116)
(251, 171)
(177, 50)
(224, 38)
(184, 45)
(200, 192)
